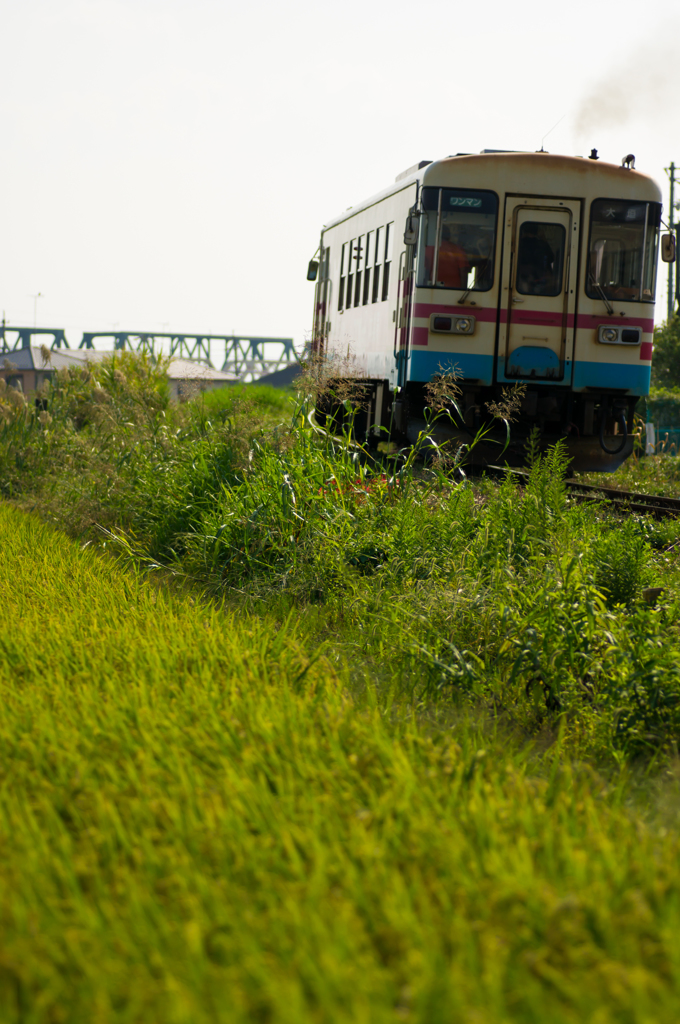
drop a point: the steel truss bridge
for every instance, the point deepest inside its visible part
(244, 357)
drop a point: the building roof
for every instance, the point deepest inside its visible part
(281, 378)
(31, 358)
(188, 369)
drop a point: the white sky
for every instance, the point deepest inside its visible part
(167, 165)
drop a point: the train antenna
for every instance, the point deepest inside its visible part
(541, 150)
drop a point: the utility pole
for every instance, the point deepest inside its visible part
(35, 307)
(670, 171)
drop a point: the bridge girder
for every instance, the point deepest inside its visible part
(246, 358)
(25, 334)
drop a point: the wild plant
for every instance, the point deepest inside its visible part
(621, 563)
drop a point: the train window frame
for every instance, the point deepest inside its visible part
(349, 280)
(375, 293)
(647, 254)
(422, 278)
(341, 288)
(387, 262)
(547, 289)
(358, 263)
(367, 267)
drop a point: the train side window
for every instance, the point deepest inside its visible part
(358, 254)
(350, 274)
(367, 267)
(389, 242)
(376, 269)
(540, 258)
(358, 263)
(343, 268)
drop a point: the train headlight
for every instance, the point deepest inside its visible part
(441, 323)
(453, 324)
(610, 335)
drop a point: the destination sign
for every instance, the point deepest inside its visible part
(465, 201)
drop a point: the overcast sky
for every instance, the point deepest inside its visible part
(167, 165)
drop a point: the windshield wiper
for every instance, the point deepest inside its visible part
(479, 276)
(596, 284)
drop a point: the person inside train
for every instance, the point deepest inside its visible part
(535, 262)
(478, 246)
(453, 264)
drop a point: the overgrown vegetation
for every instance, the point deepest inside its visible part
(504, 599)
(201, 824)
(346, 740)
(653, 474)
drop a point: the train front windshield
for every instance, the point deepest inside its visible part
(457, 239)
(623, 250)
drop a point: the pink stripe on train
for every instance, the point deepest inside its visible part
(487, 314)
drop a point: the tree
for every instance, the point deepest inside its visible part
(666, 360)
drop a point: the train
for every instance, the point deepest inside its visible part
(501, 268)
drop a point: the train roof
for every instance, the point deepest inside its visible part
(522, 173)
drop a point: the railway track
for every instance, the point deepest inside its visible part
(625, 501)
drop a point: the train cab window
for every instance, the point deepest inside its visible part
(457, 239)
(623, 245)
(540, 258)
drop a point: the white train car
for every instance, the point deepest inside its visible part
(508, 267)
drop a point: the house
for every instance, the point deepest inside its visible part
(27, 368)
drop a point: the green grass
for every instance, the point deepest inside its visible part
(202, 823)
(650, 474)
(265, 401)
(330, 740)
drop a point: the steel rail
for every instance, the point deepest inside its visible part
(660, 506)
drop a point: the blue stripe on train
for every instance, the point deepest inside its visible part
(612, 375)
(635, 379)
(423, 365)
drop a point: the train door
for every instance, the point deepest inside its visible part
(538, 289)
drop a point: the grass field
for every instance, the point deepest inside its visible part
(291, 736)
(202, 823)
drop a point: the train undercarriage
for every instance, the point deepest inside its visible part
(597, 428)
